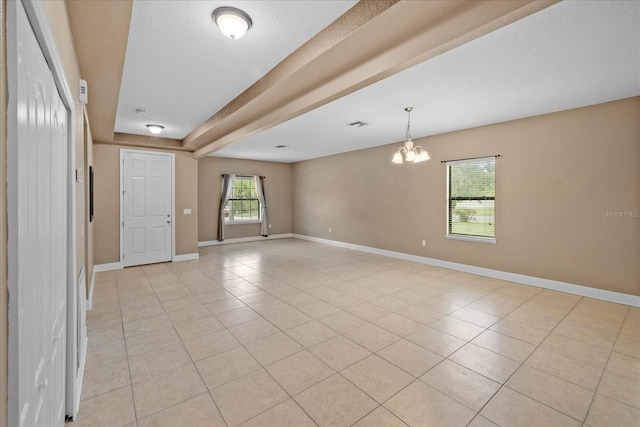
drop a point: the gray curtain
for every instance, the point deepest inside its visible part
(264, 222)
(225, 194)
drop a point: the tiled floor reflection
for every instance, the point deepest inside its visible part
(293, 333)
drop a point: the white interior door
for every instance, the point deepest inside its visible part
(38, 207)
(147, 206)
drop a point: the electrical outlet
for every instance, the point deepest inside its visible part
(269, 225)
(329, 229)
(424, 243)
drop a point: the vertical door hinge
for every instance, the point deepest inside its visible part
(123, 223)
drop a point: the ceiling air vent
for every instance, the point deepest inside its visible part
(357, 124)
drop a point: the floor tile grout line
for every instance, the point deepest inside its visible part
(604, 371)
(261, 366)
(335, 372)
(503, 385)
(302, 289)
(164, 373)
(524, 364)
(126, 349)
(195, 367)
(269, 373)
(415, 378)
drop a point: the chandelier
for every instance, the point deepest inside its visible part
(413, 154)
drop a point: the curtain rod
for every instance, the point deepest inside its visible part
(259, 176)
(469, 158)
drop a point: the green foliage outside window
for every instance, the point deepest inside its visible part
(243, 204)
(472, 197)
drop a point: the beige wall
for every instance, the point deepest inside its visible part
(106, 161)
(556, 175)
(277, 192)
(106, 204)
(186, 198)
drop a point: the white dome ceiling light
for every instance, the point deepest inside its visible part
(155, 129)
(233, 22)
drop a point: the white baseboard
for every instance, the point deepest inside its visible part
(83, 361)
(108, 267)
(186, 257)
(90, 296)
(244, 240)
(570, 288)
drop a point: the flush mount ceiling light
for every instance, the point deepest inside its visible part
(155, 129)
(232, 22)
(411, 154)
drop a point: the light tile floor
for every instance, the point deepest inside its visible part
(293, 333)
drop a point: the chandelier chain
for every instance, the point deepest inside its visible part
(407, 137)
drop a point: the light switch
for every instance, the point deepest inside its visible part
(187, 211)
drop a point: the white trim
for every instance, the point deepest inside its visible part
(81, 345)
(107, 267)
(44, 33)
(570, 288)
(467, 237)
(173, 207)
(90, 296)
(470, 238)
(244, 239)
(80, 378)
(173, 198)
(186, 257)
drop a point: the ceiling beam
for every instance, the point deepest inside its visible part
(398, 37)
(330, 36)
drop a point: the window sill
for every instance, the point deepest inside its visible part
(478, 239)
(241, 222)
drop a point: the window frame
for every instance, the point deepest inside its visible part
(449, 222)
(232, 199)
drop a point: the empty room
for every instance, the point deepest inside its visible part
(320, 213)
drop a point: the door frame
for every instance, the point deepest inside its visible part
(173, 198)
(39, 20)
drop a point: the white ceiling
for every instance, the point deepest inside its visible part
(572, 54)
(182, 70)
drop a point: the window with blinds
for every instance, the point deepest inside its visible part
(471, 189)
(243, 205)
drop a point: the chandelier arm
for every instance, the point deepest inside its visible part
(412, 153)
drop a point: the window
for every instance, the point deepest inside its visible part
(471, 199)
(243, 205)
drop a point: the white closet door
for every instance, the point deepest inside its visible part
(41, 237)
(146, 207)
